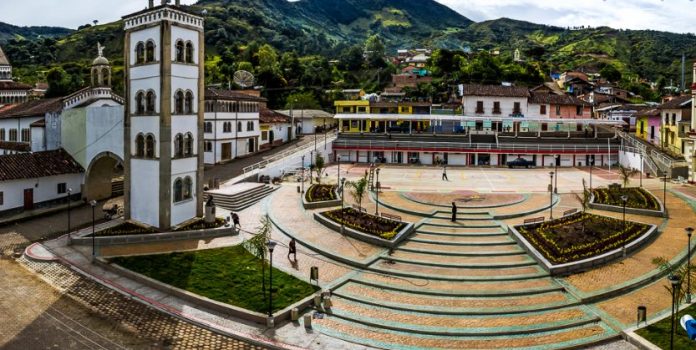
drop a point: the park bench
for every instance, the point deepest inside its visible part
(534, 220)
(391, 217)
(570, 212)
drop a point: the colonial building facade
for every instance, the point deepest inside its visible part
(11, 92)
(164, 56)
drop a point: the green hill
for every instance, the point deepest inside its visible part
(8, 32)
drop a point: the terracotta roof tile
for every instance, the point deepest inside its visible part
(551, 98)
(676, 103)
(269, 116)
(39, 164)
(13, 85)
(33, 108)
(495, 90)
(15, 146)
(223, 94)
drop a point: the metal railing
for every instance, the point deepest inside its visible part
(280, 156)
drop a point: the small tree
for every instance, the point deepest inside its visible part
(319, 166)
(626, 174)
(676, 270)
(584, 197)
(257, 246)
(358, 189)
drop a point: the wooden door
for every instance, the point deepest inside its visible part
(227, 151)
(29, 199)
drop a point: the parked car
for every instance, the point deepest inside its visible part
(520, 162)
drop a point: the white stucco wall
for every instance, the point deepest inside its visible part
(45, 189)
(145, 191)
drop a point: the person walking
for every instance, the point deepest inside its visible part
(444, 173)
(235, 220)
(292, 249)
(454, 212)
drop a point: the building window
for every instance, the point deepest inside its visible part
(188, 188)
(479, 107)
(578, 110)
(179, 51)
(26, 135)
(179, 146)
(13, 135)
(239, 126)
(62, 188)
(140, 53)
(150, 146)
(188, 145)
(2, 198)
(189, 52)
(208, 146)
(558, 109)
(179, 102)
(150, 102)
(674, 119)
(208, 127)
(2, 134)
(139, 103)
(150, 51)
(188, 106)
(542, 109)
(140, 146)
(517, 109)
(227, 127)
(178, 190)
(496, 107)
(362, 109)
(250, 126)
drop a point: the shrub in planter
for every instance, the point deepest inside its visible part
(637, 197)
(320, 193)
(366, 223)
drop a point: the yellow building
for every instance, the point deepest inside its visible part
(675, 117)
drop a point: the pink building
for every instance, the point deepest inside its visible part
(549, 105)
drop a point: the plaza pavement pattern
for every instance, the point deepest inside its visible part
(449, 285)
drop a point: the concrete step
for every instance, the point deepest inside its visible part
(462, 240)
(461, 224)
(458, 273)
(460, 250)
(506, 261)
(459, 229)
(248, 200)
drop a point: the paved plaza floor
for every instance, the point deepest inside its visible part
(448, 285)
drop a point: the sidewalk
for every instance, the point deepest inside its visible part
(30, 214)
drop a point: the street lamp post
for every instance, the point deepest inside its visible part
(664, 192)
(592, 162)
(551, 195)
(675, 281)
(303, 174)
(343, 191)
(315, 138)
(69, 235)
(311, 166)
(271, 245)
(93, 203)
(338, 173)
(325, 134)
(377, 193)
(557, 158)
(689, 231)
(641, 170)
(624, 199)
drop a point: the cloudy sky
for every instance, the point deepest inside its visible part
(669, 15)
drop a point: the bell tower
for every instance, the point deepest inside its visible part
(164, 57)
(101, 69)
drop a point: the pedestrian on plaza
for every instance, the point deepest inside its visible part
(292, 249)
(235, 220)
(454, 212)
(444, 173)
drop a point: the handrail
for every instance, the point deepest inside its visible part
(280, 156)
(459, 146)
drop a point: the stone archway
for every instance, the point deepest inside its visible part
(104, 168)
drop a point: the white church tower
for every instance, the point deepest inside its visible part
(164, 57)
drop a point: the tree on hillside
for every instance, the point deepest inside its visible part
(610, 73)
(375, 52)
(302, 100)
(351, 58)
(60, 83)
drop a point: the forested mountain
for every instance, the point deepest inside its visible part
(8, 32)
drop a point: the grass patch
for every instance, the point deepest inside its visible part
(638, 198)
(658, 333)
(580, 236)
(229, 275)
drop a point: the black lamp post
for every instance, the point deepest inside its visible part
(303, 174)
(315, 138)
(675, 282)
(377, 193)
(343, 184)
(551, 195)
(641, 170)
(664, 192)
(311, 165)
(325, 134)
(555, 188)
(93, 203)
(592, 162)
(271, 245)
(689, 231)
(69, 235)
(338, 173)
(624, 199)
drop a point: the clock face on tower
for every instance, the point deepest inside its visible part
(164, 116)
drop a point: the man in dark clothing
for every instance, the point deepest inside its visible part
(235, 220)
(454, 212)
(292, 249)
(444, 173)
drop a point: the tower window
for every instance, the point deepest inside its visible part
(139, 103)
(150, 108)
(179, 146)
(140, 146)
(227, 127)
(208, 146)
(189, 52)
(188, 145)
(140, 53)
(179, 102)
(208, 127)
(188, 188)
(150, 146)
(239, 126)
(150, 51)
(178, 190)
(189, 103)
(179, 51)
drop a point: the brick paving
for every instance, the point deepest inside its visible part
(465, 199)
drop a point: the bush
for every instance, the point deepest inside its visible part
(366, 223)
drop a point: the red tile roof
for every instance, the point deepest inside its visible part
(13, 85)
(36, 165)
(15, 146)
(269, 116)
(223, 94)
(676, 103)
(33, 108)
(551, 98)
(495, 90)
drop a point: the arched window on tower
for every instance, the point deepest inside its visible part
(179, 51)
(179, 146)
(188, 145)
(208, 127)
(140, 53)
(140, 146)
(179, 102)
(227, 127)
(139, 103)
(150, 51)
(188, 106)
(150, 146)
(178, 190)
(188, 188)
(150, 102)
(189, 52)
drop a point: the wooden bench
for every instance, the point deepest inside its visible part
(391, 217)
(570, 212)
(534, 220)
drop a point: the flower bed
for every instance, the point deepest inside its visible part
(366, 223)
(580, 236)
(638, 198)
(321, 193)
(130, 229)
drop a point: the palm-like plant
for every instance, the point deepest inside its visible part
(358, 189)
(319, 165)
(257, 246)
(676, 270)
(584, 200)
(626, 174)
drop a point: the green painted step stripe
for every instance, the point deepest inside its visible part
(413, 261)
(608, 334)
(471, 254)
(439, 310)
(501, 291)
(471, 244)
(489, 331)
(464, 218)
(455, 225)
(483, 234)
(492, 277)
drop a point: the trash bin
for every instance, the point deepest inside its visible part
(642, 315)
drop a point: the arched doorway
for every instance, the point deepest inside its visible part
(104, 177)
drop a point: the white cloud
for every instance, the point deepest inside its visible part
(669, 15)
